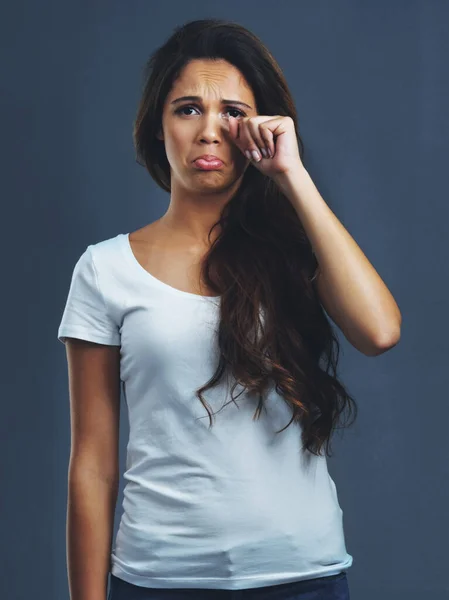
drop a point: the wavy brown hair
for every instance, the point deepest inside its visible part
(262, 260)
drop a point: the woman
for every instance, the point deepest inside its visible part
(224, 292)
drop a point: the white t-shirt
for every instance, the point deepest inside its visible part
(232, 507)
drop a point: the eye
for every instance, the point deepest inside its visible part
(240, 113)
(190, 106)
(180, 110)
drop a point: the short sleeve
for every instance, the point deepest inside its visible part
(85, 314)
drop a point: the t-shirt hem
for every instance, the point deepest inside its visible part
(83, 334)
(221, 583)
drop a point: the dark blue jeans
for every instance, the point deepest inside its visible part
(334, 587)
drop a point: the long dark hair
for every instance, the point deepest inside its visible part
(262, 260)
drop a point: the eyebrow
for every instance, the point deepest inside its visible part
(199, 99)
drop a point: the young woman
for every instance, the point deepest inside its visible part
(212, 319)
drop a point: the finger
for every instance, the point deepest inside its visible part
(247, 143)
(257, 142)
(268, 137)
(235, 127)
(232, 128)
(249, 147)
(267, 133)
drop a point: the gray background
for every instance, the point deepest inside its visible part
(370, 82)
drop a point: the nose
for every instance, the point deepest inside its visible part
(213, 128)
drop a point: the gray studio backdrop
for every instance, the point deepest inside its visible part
(370, 81)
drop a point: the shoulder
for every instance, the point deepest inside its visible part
(106, 251)
(103, 263)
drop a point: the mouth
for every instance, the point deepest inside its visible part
(208, 164)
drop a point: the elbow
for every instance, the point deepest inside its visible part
(386, 342)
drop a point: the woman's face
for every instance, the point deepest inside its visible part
(195, 127)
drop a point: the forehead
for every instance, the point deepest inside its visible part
(211, 77)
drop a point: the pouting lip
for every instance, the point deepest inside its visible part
(210, 157)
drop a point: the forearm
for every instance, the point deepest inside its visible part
(90, 522)
(350, 289)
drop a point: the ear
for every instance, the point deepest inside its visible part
(160, 135)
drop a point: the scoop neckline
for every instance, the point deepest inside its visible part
(149, 277)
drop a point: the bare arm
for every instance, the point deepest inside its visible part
(93, 477)
(349, 287)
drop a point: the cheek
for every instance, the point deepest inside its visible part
(175, 148)
(180, 143)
